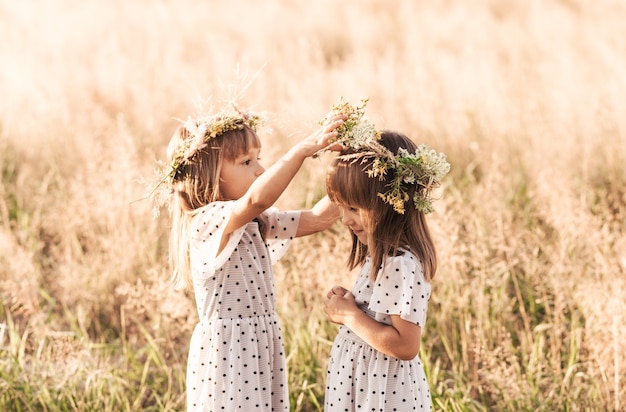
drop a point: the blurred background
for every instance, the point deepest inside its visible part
(526, 98)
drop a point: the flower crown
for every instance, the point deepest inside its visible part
(201, 129)
(425, 168)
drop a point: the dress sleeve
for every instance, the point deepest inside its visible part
(207, 228)
(282, 228)
(401, 289)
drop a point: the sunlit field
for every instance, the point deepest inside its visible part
(527, 99)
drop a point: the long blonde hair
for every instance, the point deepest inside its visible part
(195, 185)
(348, 183)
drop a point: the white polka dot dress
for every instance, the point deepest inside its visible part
(360, 378)
(236, 357)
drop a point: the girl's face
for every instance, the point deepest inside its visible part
(355, 219)
(237, 176)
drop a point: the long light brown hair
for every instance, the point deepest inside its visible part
(196, 184)
(348, 183)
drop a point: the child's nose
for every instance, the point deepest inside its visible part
(346, 219)
(259, 171)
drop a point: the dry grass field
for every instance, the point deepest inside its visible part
(526, 97)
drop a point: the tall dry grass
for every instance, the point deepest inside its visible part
(525, 97)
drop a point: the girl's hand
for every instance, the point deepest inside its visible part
(401, 339)
(323, 137)
(336, 290)
(340, 305)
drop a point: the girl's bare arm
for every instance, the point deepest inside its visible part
(401, 339)
(319, 218)
(268, 187)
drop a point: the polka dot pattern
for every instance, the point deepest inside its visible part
(359, 377)
(236, 357)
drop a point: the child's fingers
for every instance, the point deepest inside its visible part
(333, 123)
(336, 290)
(326, 136)
(328, 131)
(332, 117)
(335, 147)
